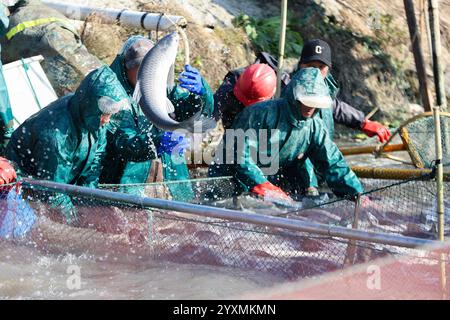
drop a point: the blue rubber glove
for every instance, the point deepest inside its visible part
(16, 216)
(192, 80)
(173, 142)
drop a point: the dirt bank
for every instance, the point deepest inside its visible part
(370, 41)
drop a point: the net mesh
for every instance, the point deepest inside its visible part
(419, 137)
(108, 227)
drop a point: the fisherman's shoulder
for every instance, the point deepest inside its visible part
(103, 70)
(101, 81)
(266, 107)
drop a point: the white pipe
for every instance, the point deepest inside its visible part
(135, 19)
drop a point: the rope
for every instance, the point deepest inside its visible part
(157, 25)
(426, 176)
(143, 20)
(25, 67)
(119, 15)
(287, 234)
(107, 186)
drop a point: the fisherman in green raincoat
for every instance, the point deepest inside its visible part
(277, 136)
(316, 53)
(6, 117)
(133, 141)
(66, 141)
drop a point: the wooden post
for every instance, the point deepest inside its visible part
(438, 71)
(282, 45)
(418, 54)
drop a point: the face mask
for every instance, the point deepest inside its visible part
(110, 106)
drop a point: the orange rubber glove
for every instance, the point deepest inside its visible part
(7, 172)
(269, 190)
(372, 128)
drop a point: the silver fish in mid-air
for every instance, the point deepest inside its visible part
(154, 75)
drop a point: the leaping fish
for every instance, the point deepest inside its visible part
(155, 73)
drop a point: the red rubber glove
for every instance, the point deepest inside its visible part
(269, 190)
(7, 172)
(372, 128)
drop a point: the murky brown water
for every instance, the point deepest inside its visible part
(26, 273)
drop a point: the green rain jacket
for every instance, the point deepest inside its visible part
(297, 139)
(132, 138)
(6, 117)
(64, 142)
(306, 170)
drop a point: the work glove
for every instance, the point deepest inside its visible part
(372, 128)
(172, 141)
(17, 218)
(7, 172)
(192, 80)
(271, 192)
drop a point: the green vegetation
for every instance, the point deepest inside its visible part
(265, 34)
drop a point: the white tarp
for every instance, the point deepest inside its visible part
(29, 90)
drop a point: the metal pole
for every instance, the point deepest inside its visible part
(284, 4)
(351, 248)
(232, 215)
(438, 71)
(418, 54)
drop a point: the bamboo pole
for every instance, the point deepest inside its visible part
(351, 247)
(427, 26)
(393, 173)
(438, 71)
(418, 54)
(440, 195)
(348, 151)
(282, 43)
(439, 172)
(441, 101)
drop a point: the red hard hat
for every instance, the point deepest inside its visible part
(257, 83)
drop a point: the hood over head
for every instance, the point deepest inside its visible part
(99, 93)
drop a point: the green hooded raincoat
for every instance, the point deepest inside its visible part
(298, 138)
(132, 138)
(64, 142)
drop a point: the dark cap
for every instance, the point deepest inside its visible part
(134, 55)
(316, 50)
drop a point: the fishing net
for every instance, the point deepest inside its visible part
(419, 135)
(386, 278)
(111, 228)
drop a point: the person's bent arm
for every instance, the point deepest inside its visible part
(345, 114)
(131, 142)
(349, 116)
(326, 156)
(188, 103)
